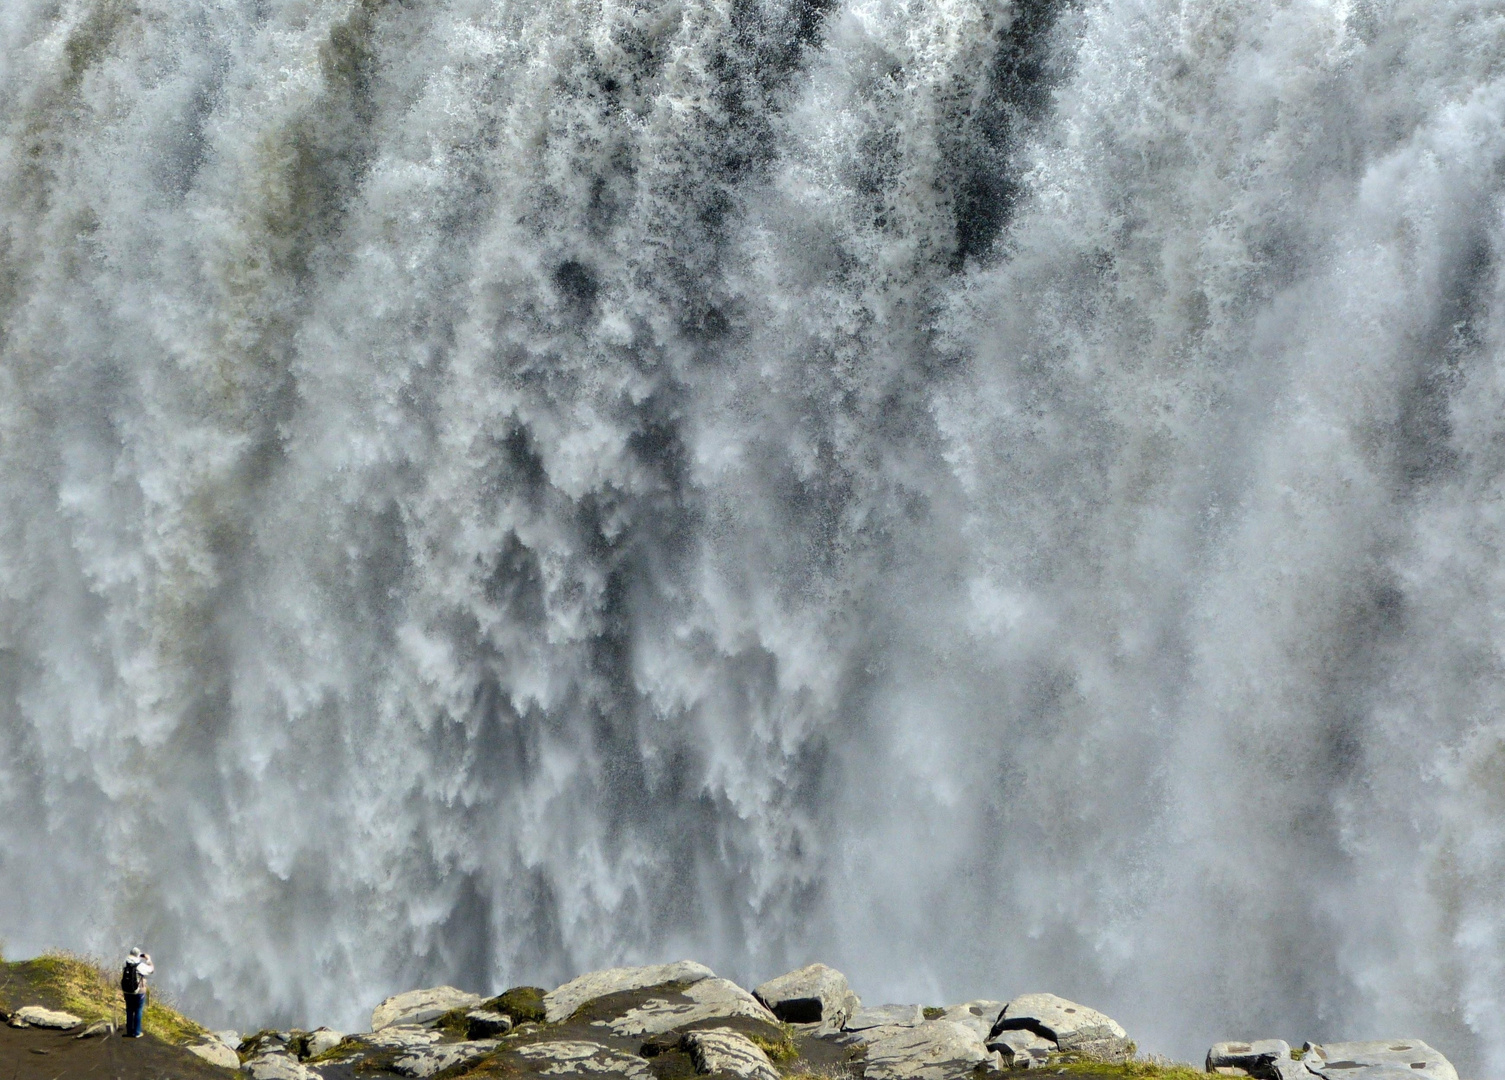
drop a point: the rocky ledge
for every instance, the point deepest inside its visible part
(680, 1021)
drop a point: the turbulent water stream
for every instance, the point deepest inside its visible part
(993, 496)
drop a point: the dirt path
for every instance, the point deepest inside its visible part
(35, 1054)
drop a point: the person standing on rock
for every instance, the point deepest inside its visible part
(133, 985)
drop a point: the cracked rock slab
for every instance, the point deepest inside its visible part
(936, 1050)
(431, 1059)
(721, 1050)
(710, 999)
(36, 1016)
(561, 1003)
(401, 1037)
(1021, 1048)
(1368, 1060)
(1073, 1027)
(421, 1006)
(586, 1059)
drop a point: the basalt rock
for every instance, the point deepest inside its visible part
(936, 1050)
(321, 1041)
(277, 1066)
(877, 1016)
(1021, 1048)
(1073, 1028)
(485, 1024)
(1256, 1057)
(728, 1053)
(215, 1052)
(979, 1015)
(36, 1016)
(560, 1004)
(707, 999)
(584, 1059)
(420, 1006)
(429, 1060)
(816, 994)
(1379, 1060)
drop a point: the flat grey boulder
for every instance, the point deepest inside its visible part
(571, 1058)
(232, 1039)
(1021, 1048)
(816, 994)
(1255, 1057)
(401, 1037)
(710, 999)
(421, 1006)
(277, 1067)
(937, 1050)
(103, 1029)
(431, 1059)
(1074, 1028)
(321, 1041)
(877, 1016)
(979, 1015)
(1346, 1061)
(36, 1016)
(215, 1052)
(730, 1053)
(561, 1003)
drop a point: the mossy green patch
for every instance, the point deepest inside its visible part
(933, 1012)
(84, 987)
(522, 1003)
(780, 1051)
(1133, 1069)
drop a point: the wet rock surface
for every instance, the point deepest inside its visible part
(429, 1060)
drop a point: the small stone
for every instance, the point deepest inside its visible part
(561, 1003)
(420, 1006)
(1075, 1028)
(216, 1053)
(730, 1053)
(937, 1050)
(1253, 1058)
(36, 1016)
(100, 1029)
(588, 1059)
(878, 1016)
(485, 1024)
(432, 1059)
(321, 1041)
(277, 1067)
(816, 994)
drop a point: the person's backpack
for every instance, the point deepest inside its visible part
(130, 979)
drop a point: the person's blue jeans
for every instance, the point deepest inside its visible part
(133, 1006)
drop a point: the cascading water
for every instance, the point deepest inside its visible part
(994, 496)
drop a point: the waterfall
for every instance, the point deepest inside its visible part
(995, 495)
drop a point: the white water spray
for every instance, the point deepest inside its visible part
(992, 496)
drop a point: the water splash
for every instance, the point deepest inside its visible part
(993, 496)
